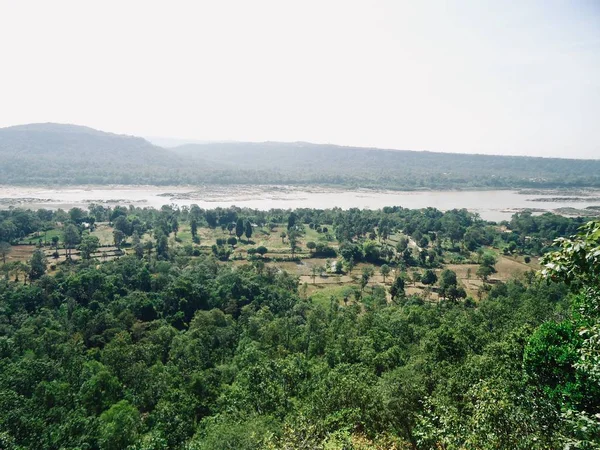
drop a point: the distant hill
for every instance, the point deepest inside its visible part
(70, 154)
(331, 164)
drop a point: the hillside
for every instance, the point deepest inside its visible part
(69, 154)
(368, 167)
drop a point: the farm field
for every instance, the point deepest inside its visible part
(317, 277)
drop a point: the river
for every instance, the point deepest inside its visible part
(491, 205)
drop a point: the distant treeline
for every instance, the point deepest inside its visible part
(68, 155)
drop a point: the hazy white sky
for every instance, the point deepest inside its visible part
(509, 77)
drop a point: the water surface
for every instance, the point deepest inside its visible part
(491, 205)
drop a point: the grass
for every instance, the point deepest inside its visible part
(104, 233)
(321, 295)
(33, 238)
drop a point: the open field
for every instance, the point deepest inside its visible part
(320, 286)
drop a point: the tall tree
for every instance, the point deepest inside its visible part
(239, 228)
(5, 249)
(293, 240)
(194, 227)
(118, 237)
(37, 265)
(248, 229)
(385, 271)
(89, 244)
(429, 277)
(71, 238)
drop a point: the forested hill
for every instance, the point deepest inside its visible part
(68, 154)
(306, 162)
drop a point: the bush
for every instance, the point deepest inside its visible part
(262, 250)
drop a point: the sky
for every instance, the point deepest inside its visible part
(511, 77)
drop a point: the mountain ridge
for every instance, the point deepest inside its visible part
(75, 154)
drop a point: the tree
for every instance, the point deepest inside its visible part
(291, 221)
(416, 277)
(162, 246)
(311, 245)
(486, 266)
(366, 275)
(385, 271)
(37, 265)
(484, 272)
(429, 277)
(261, 250)
(175, 226)
(350, 264)
(232, 241)
(397, 288)
(402, 245)
(138, 248)
(89, 244)
(447, 281)
(121, 223)
(282, 235)
(248, 229)
(239, 228)
(292, 238)
(118, 237)
(118, 426)
(313, 271)
(5, 249)
(565, 357)
(194, 227)
(71, 238)
(55, 240)
(148, 246)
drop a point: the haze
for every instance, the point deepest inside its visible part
(520, 78)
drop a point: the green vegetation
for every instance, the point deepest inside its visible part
(378, 336)
(67, 154)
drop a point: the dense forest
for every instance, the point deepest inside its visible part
(68, 154)
(182, 343)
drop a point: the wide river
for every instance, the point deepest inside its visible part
(491, 205)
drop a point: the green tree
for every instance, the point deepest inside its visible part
(293, 241)
(194, 227)
(5, 249)
(397, 288)
(239, 228)
(55, 240)
(310, 245)
(89, 244)
(138, 247)
(37, 265)
(71, 238)
(485, 271)
(366, 275)
(248, 229)
(385, 271)
(175, 226)
(291, 221)
(118, 237)
(118, 426)
(429, 277)
(447, 281)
